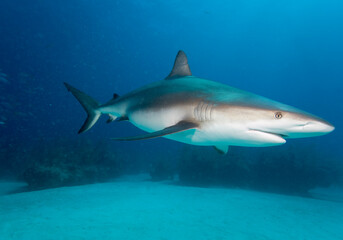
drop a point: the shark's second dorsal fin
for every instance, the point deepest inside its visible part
(181, 67)
(115, 96)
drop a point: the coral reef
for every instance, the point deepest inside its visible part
(161, 169)
(288, 169)
(62, 163)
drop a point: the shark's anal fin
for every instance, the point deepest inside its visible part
(122, 118)
(222, 149)
(112, 118)
(181, 67)
(179, 127)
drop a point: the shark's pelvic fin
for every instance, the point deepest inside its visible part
(181, 67)
(89, 104)
(222, 149)
(179, 127)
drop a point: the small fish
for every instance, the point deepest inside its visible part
(3, 77)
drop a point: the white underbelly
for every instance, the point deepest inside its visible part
(209, 133)
(151, 121)
(215, 134)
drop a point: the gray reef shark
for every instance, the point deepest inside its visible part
(197, 111)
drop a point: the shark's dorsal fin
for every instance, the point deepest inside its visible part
(181, 67)
(179, 127)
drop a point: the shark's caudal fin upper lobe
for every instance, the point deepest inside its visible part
(89, 104)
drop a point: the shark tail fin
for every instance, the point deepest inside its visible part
(89, 104)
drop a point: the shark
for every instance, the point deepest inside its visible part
(197, 111)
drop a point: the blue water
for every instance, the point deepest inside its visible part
(287, 50)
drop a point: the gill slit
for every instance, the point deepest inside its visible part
(203, 111)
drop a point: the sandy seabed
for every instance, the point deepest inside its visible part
(138, 209)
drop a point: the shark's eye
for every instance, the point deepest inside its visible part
(278, 115)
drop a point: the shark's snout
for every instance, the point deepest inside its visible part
(311, 128)
(295, 125)
(318, 127)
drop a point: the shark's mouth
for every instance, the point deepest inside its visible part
(269, 137)
(276, 134)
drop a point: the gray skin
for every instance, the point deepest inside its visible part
(202, 112)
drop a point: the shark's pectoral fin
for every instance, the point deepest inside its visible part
(179, 127)
(222, 149)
